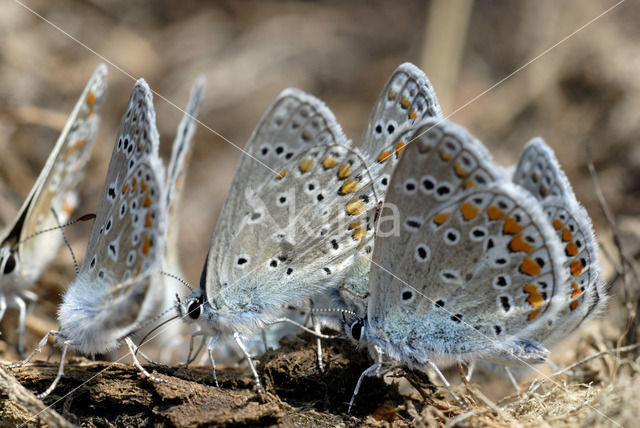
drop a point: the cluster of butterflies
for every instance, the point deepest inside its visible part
(412, 241)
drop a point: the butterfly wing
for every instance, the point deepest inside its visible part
(127, 240)
(478, 275)
(55, 188)
(180, 157)
(294, 232)
(540, 173)
(407, 97)
(443, 160)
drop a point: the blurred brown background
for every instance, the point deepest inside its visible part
(586, 89)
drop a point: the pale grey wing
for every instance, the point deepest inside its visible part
(136, 142)
(539, 171)
(56, 186)
(295, 122)
(407, 97)
(482, 271)
(177, 170)
(126, 245)
(442, 161)
(297, 235)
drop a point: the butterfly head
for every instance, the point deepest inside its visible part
(8, 260)
(191, 307)
(356, 329)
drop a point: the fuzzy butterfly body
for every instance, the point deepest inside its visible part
(50, 202)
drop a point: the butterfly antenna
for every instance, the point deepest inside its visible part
(322, 310)
(66, 241)
(177, 278)
(85, 217)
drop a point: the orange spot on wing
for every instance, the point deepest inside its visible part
(145, 245)
(384, 156)
(576, 268)
(358, 234)
(305, 165)
(125, 188)
(354, 225)
(441, 218)
(147, 220)
(566, 235)
(91, 100)
(329, 162)
(529, 267)
(354, 207)
(534, 314)
(571, 249)
(399, 149)
(412, 114)
(573, 305)
(444, 155)
(423, 147)
(557, 224)
(404, 102)
(344, 171)
(147, 201)
(543, 191)
(468, 184)
(495, 213)
(67, 207)
(391, 95)
(535, 177)
(281, 174)
(469, 211)
(511, 226)
(306, 135)
(349, 186)
(535, 298)
(134, 184)
(75, 146)
(459, 170)
(576, 291)
(143, 186)
(517, 244)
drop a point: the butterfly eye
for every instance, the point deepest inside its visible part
(356, 329)
(194, 308)
(10, 265)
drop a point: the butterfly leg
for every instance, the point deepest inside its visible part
(446, 383)
(22, 320)
(212, 343)
(38, 349)
(317, 327)
(132, 351)
(63, 355)
(238, 340)
(371, 371)
(513, 380)
(3, 306)
(263, 333)
(191, 356)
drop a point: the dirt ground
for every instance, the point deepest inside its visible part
(511, 71)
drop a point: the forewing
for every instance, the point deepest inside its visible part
(298, 234)
(295, 122)
(56, 186)
(180, 157)
(441, 161)
(540, 173)
(127, 239)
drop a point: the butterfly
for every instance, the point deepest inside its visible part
(111, 296)
(483, 265)
(25, 254)
(300, 207)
